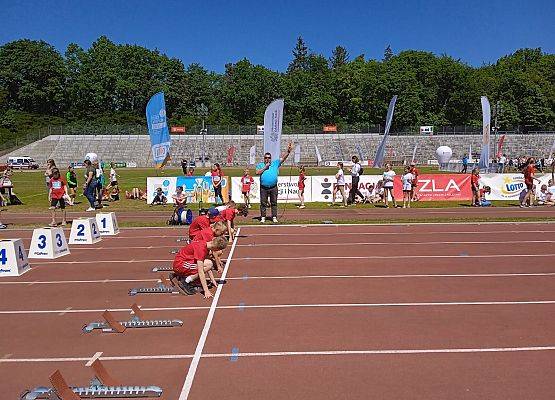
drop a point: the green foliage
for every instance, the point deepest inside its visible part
(111, 83)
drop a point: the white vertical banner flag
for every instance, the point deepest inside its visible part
(380, 153)
(414, 153)
(273, 122)
(252, 155)
(486, 129)
(318, 156)
(297, 153)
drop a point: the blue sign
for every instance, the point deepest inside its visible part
(158, 129)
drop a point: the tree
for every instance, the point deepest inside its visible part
(339, 57)
(300, 57)
(388, 53)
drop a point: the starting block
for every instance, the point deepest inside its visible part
(107, 224)
(162, 268)
(102, 386)
(164, 286)
(137, 321)
(48, 243)
(84, 231)
(13, 259)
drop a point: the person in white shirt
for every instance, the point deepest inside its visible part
(388, 177)
(544, 197)
(501, 164)
(339, 186)
(113, 175)
(407, 187)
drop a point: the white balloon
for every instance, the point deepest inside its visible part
(92, 157)
(444, 154)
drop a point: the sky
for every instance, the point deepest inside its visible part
(213, 33)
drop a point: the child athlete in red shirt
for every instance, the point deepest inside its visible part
(208, 234)
(202, 222)
(227, 216)
(191, 263)
(246, 183)
(58, 189)
(301, 184)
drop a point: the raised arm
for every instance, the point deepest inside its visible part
(284, 157)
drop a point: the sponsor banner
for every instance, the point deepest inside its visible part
(196, 188)
(438, 187)
(273, 121)
(508, 186)
(322, 186)
(288, 189)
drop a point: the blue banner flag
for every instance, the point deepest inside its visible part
(158, 129)
(380, 153)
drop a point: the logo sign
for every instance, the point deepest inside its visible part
(178, 129)
(438, 187)
(330, 128)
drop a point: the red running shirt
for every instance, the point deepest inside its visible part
(57, 188)
(529, 174)
(301, 180)
(199, 223)
(190, 254)
(206, 235)
(474, 181)
(246, 182)
(226, 215)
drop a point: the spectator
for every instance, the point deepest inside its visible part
(184, 166)
(269, 172)
(56, 194)
(545, 197)
(356, 171)
(414, 185)
(113, 176)
(114, 193)
(50, 165)
(388, 179)
(464, 164)
(529, 179)
(482, 193)
(246, 183)
(474, 185)
(2, 226)
(159, 198)
(339, 186)
(6, 184)
(190, 171)
(89, 187)
(71, 179)
(407, 180)
(217, 183)
(501, 164)
(100, 182)
(377, 194)
(302, 178)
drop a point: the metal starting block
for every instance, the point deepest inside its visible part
(164, 286)
(174, 251)
(162, 268)
(183, 239)
(137, 321)
(102, 386)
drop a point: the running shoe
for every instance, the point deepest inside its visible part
(274, 220)
(262, 220)
(302, 206)
(2, 226)
(91, 209)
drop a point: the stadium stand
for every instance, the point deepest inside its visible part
(135, 149)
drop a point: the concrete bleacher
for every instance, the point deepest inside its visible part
(65, 149)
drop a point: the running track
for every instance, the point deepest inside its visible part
(433, 311)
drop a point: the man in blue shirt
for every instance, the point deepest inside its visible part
(269, 172)
(464, 164)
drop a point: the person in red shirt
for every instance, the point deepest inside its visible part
(414, 185)
(191, 263)
(246, 182)
(474, 185)
(202, 222)
(217, 175)
(302, 178)
(217, 229)
(528, 172)
(227, 216)
(57, 191)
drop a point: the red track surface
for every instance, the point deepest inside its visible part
(335, 214)
(316, 312)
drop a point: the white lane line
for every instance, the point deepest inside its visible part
(520, 232)
(391, 257)
(487, 275)
(126, 247)
(319, 226)
(287, 354)
(425, 243)
(493, 275)
(270, 306)
(99, 262)
(65, 311)
(93, 358)
(89, 281)
(184, 394)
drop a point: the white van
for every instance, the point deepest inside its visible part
(22, 162)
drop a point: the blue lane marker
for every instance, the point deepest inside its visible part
(464, 254)
(245, 277)
(234, 354)
(241, 306)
